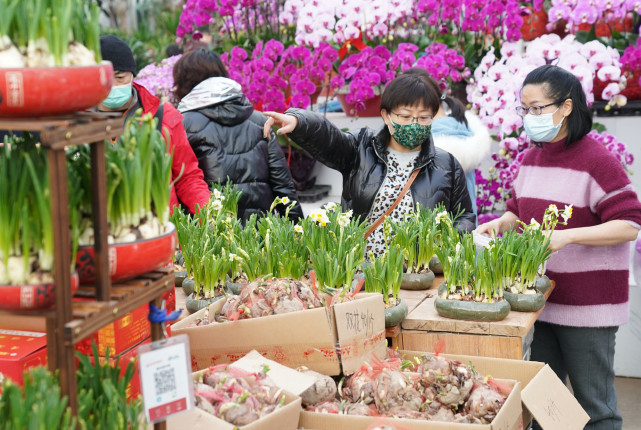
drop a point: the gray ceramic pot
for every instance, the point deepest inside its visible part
(417, 281)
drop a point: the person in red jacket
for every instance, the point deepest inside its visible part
(127, 97)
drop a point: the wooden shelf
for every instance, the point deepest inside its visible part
(69, 322)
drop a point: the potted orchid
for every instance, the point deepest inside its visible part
(275, 77)
(159, 79)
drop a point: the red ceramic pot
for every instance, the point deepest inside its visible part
(130, 259)
(31, 297)
(372, 107)
(50, 91)
(632, 90)
(534, 24)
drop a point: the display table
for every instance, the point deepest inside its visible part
(423, 327)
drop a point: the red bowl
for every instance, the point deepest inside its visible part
(49, 91)
(130, 259)
(31, 297)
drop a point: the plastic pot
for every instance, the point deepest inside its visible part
(474, 311)
(524, 302)
(31, 297)
(194, 305)
(129, 259)
(543, 284)
(396, 314)
(435, 265)
(52, 91)
(417, 281)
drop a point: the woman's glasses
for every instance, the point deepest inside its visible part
(533, 110)
(408, 119)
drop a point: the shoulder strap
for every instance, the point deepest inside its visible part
(396, 202)
(158, 115)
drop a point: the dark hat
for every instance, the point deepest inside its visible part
(118, 52)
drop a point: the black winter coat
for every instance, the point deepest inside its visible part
(362, 160)
(228, 141)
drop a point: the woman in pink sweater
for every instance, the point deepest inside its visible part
(575, 333)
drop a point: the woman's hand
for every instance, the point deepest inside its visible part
(287, 123)
(559, 239)
(499, 225)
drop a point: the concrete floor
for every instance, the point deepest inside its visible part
(628, 389)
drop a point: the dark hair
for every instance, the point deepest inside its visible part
(194, 67)
(173, 49)
(457, 110)
(560, 85)
(409, 90)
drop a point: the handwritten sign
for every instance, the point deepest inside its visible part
(360, 321)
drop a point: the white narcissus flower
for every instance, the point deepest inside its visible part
(284, 200)
(217, 205)
(331, 206)
(298, 229)
(217, 193)
(567, 213)
(553, 209)
(534, 224)
(232, 256)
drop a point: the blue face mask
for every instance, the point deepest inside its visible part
(541, 128)
(118, 96)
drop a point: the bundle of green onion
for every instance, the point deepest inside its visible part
(26, 235)
(47, 33)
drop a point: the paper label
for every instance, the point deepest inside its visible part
(165, 377)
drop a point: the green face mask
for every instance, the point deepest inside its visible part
(411, 135)
(118, 96)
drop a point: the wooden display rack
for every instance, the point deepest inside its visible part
(423, 327)
(70, 322)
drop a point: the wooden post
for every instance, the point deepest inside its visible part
(101, 229)
(65, 357)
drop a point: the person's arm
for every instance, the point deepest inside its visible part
(280, 178)
(191, 187)
(609, 233)
(317, 135)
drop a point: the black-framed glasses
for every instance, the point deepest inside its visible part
(408, 119)
(533, 110)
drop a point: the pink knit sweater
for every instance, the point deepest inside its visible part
(591, 281)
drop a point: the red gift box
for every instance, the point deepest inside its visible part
(20, 350)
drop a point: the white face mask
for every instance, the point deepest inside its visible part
(541, 128)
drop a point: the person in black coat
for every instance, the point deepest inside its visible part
(226, 135)
(376, 165)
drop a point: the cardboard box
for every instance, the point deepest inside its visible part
(284, 418)
(509, 417)
(543, 394)
(327, 340)
(20, 350)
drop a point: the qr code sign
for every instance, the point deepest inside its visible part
(164, 381)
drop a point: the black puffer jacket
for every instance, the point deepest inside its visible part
(227, 138)
(362, 160)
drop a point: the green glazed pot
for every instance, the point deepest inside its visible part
(194, 305)
(435, 265)
(396, 314)
(188, 286)
(179, 277)
(543, 284)
(524, 302)
(473, 311)
(417, 281)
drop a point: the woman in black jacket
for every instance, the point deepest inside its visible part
(226, 135)
(377, 165)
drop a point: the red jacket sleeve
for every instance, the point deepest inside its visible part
(191, 187)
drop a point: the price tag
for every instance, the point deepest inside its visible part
(165, 377)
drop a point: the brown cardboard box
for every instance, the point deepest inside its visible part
(284, 418)
(509, 418)
(327, 340)
(543, 394)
